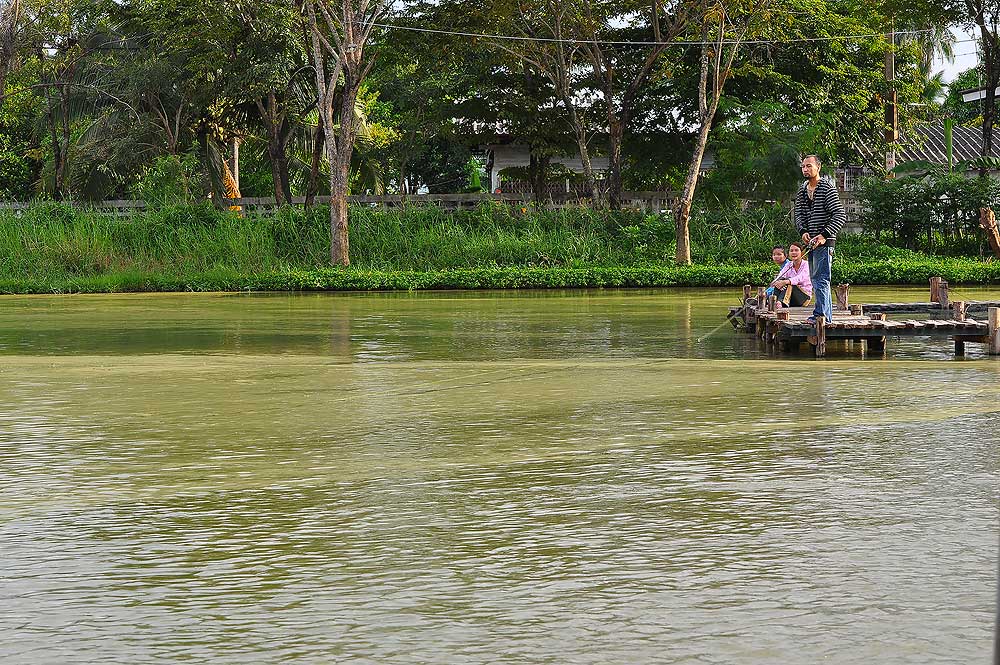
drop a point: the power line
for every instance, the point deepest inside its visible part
(552, 40)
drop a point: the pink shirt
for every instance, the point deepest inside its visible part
(800, 277)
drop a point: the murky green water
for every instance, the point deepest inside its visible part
(484, 478)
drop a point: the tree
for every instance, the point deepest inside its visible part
(954, 106)
(985, 15)
(981, 15)
(573, 44)
(10, 29)
(720, 44)
(340, 32)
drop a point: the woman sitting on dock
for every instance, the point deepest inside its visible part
(793, 287)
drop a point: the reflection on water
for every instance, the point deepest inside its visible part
(481, 478)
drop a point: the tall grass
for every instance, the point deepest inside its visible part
(57, 240)
(55, 243)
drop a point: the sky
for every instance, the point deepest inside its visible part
(965, 56)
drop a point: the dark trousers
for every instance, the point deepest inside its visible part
(792, 296)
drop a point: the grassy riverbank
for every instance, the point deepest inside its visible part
(55, 249)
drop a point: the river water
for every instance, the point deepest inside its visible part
(540, 477)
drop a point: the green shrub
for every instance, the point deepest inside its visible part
(936, 213)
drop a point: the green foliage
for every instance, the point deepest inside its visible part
(756, 159)
(171, 179)
(15, 170)
(939, 212)
(915, 272)
(963, 112)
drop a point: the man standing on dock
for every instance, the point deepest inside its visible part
(819, 214)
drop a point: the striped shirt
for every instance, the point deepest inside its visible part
(821, 215)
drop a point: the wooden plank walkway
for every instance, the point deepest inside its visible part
(788, 328)
(971, 306)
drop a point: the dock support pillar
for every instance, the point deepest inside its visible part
(821, 336)
(943, 294)
(746, 292)
(783, 344)
(875, 344)
(994, 331)
(958, 309)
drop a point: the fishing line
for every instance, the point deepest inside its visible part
(810, 247)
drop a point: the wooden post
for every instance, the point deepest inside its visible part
(876, 343)
(760, 297)
(746, 292)
(935, 286)
(856, 310)
(958, 309)
(994, 331)
(783, 315)
(943, 294)
(820, 336)
(772, 303)
(843, 292)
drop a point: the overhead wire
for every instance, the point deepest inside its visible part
(610, 42)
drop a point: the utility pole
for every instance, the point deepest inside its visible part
(891, 109)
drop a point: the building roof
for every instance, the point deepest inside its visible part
(926, 143)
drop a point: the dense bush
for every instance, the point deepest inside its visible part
(937, 213)
(956, 271)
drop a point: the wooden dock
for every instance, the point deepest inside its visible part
(787, 329)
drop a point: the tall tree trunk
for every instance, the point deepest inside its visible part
(339, 149)
(277, 147)
(580, 133)
(682, 222)
(279, 173)
(58, 156)
(340, 250)
(617, 130)
(319, 140)
(989, 45)
(682, 219)
(10, 18)
(718, 67)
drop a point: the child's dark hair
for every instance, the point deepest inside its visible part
(781, 247)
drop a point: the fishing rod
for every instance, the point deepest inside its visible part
(770, 289)
(809, 247)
